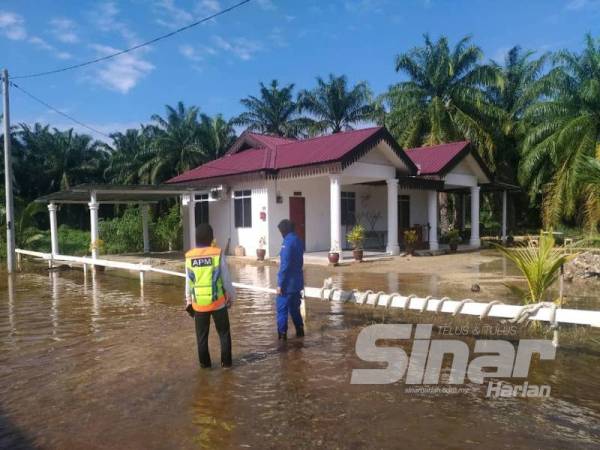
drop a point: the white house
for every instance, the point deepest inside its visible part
(325, 185)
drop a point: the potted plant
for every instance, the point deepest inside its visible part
(410, 240)
(356, 237)
(334, 254)
(261, 251)
(453, 237)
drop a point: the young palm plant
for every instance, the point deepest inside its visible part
(539, 264)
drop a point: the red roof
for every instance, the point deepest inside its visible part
(280, 153)
(436, 159)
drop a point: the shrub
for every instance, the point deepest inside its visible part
(356, 236)
(168, 230)
(122, 234)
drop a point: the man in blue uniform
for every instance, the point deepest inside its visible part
(290, 280)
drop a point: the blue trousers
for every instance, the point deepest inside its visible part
(288, 304)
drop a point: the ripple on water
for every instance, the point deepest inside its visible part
(97, 361)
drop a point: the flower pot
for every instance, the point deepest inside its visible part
(358, 254)
(260, 254)
(453, 246)
(333, 257)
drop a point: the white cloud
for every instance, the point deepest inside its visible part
(123, 72)
(64, 30)
(243, 48)
(277, 38)
(172, 16)
(106, 19)
(266, 4)
(12, 26)
(42, 44)
(364, 6)
(191, 53)
(578, 5)
(209, 6)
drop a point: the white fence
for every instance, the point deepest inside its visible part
(541, 312)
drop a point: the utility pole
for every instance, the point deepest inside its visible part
(10, 221)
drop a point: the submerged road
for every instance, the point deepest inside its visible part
(96, 364)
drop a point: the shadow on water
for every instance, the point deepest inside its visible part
(11, 437)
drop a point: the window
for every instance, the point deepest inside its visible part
(242, 208)
(201, 209)
(404, 212)
(348, 208)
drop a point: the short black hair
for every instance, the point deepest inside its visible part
(286, 226)
(204, 234)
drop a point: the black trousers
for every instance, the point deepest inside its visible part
(221, 319)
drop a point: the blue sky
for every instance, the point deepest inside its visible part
(214, 65)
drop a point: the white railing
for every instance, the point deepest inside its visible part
(546, 313)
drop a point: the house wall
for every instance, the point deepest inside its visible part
(221, 218)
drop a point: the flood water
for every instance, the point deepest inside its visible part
(95, 363)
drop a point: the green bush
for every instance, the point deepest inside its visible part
(168, 231)
(122, 234)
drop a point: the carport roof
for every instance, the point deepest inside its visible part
(115, 193)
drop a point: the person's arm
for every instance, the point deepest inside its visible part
(284, 267)
(188, 290)
(226, 278)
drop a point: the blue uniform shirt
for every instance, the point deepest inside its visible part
(290, 277)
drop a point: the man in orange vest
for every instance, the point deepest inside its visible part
(209, 292)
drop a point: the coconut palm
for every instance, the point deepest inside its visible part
(217, 135)
(443, 99)
(176, 144)
(563, 129)
(334, 106)
(273, 112)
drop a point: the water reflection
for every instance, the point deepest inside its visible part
(118, 369)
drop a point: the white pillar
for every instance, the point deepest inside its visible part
(335, 211)
(53, 229)
(463, 207)
(93, 205)
(145, 233)
(392, 210)
(189, 222)
(504, 206)
(432, 215)
(475, 242)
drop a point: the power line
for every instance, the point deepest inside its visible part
(39, 100)
(135, 47)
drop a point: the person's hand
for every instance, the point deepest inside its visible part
(190, 310)
(228, 301)
(278, 290)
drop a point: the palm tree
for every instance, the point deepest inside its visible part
(519, 72)
(443, 100)
(590, 177)
(334, 106)
(563, 129)
(217, 135)
(176, 144)
(274, 112)
(127, 155)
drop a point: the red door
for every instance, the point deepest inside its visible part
(298, 216)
